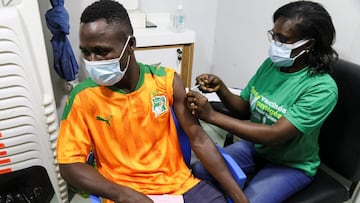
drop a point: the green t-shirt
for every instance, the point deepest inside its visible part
(304, 99)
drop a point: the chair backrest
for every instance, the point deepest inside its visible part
(340, 135)
(183, 140)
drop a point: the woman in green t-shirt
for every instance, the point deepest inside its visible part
(286, 101)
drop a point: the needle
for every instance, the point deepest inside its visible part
(196, 86)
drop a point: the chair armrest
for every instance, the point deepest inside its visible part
(234, 168)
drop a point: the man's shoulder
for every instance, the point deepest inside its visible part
(82, 86)
(87, 83)
(156, 70)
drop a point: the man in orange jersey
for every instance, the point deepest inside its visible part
(122, 113)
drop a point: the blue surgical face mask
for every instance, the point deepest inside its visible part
(281, 55)
(107, 72)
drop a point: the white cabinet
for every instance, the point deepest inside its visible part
(163, 45)
(167, 56)
(178, 57)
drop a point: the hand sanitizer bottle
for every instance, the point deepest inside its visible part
(179, 18)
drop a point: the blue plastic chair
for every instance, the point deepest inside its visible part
(235, 170)
(183, 140)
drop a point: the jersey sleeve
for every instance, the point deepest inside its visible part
(170, 83)
(74, 143)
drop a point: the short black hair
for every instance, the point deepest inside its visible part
(313, 22)
(111, 11)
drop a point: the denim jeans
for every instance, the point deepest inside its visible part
(271, 183)
(204, 192)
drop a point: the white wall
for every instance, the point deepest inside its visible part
(200, 17)
(202, 23)
(241, 43)
(231, 36)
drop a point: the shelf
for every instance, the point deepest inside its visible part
(162, 34)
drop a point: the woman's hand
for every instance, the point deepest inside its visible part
(209, 83)
(199, 105)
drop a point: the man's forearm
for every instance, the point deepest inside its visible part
(212, 160)
(85, 177)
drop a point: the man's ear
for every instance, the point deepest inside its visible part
(132, 42)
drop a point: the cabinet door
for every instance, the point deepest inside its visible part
(167, 56)
(178, 57)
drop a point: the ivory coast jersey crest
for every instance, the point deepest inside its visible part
(159, 105)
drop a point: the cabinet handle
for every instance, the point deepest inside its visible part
(179, 56)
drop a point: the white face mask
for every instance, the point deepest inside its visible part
(281, 55)
(107, 72)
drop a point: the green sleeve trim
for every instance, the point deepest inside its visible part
(71, 97)
(144, 69)
(155, 70)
